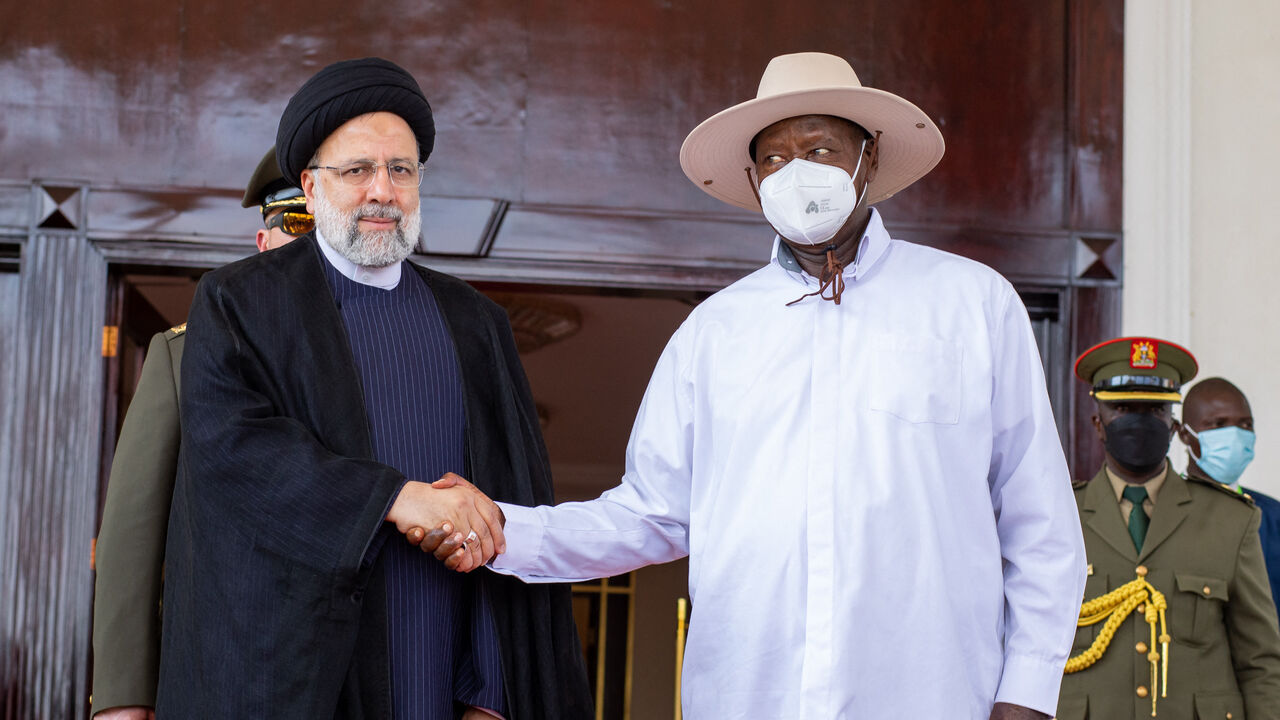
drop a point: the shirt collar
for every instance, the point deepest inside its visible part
(875, 240)
(386, 278)
(1153, 485)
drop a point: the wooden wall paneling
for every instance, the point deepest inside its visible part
(693, 240)
(1096, 107)
(113, 401)
(992, 76)
(610, 102)
(50, 501)
(1022, 256)
(11, 348)
(1048, 308)
(174, 214)
(1096, 317)
(15, 207)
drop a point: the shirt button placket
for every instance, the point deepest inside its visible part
(823, 432)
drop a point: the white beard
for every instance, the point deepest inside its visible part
(378, 248)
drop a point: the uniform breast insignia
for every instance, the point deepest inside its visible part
(1112, 610)
(178, 329)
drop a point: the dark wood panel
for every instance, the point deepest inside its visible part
(571, 104)
(1020, 256)
(176, 213)
(15, 206)
(992, 76)
(1096, 104)
(52, 479)
(1096, 317)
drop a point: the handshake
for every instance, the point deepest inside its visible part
(466, 526)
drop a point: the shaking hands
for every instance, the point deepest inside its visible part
(466, 526)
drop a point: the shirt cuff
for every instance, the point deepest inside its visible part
(1030, 682)
(488, 712)
(523, 532)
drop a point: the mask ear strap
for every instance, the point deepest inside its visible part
(862, 152)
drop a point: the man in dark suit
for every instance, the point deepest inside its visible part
(130, 548)
(326, 385)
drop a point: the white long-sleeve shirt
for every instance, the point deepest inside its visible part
(872, 495)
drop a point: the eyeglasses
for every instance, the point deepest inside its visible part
(361, 174)
(293, 223)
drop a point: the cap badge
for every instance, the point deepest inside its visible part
(1143, 354)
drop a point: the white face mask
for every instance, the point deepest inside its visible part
(808, 202)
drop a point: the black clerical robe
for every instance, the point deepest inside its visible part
(273, 602)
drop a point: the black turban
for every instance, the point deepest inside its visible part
(340, 92)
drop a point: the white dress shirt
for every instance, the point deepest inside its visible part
(872, 495)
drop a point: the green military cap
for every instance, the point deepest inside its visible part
(268, 188)
(1137, 368)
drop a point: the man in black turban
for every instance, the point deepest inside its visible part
(325, 386)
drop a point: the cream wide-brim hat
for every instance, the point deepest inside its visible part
(715, 155)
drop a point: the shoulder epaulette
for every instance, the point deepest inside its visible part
(177, 330)
(1236, 493)
(1079, 484)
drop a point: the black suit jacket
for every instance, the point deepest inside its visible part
(273, 605)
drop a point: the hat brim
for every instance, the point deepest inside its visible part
(1136, 396)
(715, 155)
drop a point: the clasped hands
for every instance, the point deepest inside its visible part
(465, 525)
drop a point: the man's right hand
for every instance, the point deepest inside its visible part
(455, 502)
(136, 712)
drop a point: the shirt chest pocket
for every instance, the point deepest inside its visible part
(1199, 601)
(916, 379)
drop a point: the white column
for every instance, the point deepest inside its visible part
(1202, 154)
(1157, 169)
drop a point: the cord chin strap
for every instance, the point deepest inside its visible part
(832, 275)
(831, 278)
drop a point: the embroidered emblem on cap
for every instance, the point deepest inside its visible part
(1142, 354)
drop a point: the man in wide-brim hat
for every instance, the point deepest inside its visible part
(853, 444)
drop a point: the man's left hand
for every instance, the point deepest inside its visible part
(1005, 711)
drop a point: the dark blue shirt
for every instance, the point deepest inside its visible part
(442, 643)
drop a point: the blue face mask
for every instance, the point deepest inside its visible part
(1224, 452)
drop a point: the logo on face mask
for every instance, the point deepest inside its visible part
(812, 207)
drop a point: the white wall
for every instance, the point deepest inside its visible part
(1201, 220)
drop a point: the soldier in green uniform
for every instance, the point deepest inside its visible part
(130, 547)
(1178, 620)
